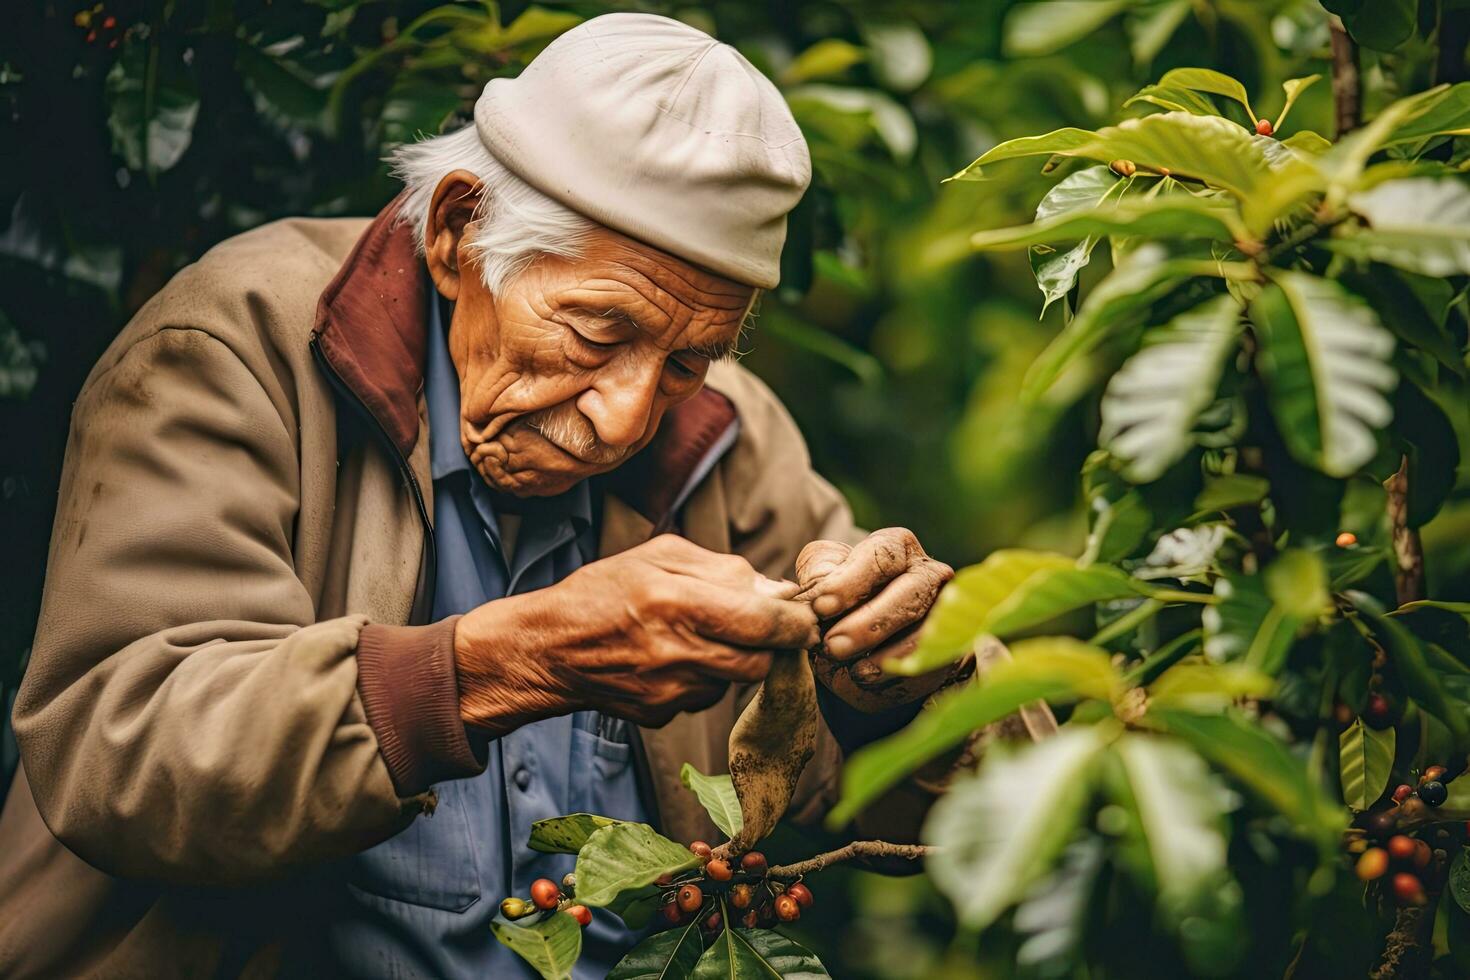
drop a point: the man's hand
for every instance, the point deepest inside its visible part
(871, 598)
(659, 629)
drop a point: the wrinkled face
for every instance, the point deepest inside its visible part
(569, 370)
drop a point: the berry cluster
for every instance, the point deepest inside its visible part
(758, 898)
(1407, 864)
(546, 896)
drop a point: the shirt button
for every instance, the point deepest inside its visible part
(523, 778)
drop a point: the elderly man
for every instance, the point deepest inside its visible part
(377, 541)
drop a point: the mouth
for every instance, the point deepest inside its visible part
(584, 451)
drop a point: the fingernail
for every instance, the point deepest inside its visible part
(827, 605)
(839, 646)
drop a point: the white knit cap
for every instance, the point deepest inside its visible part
(656, 130)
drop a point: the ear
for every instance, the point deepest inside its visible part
(450, 211)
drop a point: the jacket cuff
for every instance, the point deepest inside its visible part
(410, 691)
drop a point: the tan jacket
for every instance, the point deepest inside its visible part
(225, 694)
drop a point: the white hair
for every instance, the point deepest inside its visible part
(514, 222)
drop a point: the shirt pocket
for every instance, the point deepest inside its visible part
(430, 863)
(601, 775)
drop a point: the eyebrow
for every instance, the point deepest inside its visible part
(720, 351)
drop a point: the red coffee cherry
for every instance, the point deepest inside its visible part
(1433, 773)
(787, 908)
(718, 870)
(1402, 793)
(1379, 713)
(754, 862)
(1401, 848)
(581, 913)
(741, 896)
(664, 880)
(1264, 127)
(545, 894)
(671, 913)
(689, 899)
(1408, 889)
(1422, 854)
(701, 848)
(751, 919)
(713, 923)
(801, 893)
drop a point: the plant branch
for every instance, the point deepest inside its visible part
(1407, 550)
(857, 849)
(1347, 89)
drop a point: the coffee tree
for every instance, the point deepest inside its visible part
(1270, 698)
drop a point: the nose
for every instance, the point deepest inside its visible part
(619, 404)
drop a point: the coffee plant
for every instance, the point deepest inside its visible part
(1270, 697)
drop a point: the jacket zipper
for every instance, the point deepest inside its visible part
(423, 599)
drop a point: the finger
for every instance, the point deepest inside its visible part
(903, 602)
(782, 589)
(876, 560)
(747, 618)
(818, 560)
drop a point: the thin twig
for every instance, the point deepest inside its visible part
(857, 849)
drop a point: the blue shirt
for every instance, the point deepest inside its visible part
(421, 902)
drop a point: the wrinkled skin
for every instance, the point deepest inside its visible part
(871, 598)
(605, 343)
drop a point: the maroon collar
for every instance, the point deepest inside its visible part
(371, 329)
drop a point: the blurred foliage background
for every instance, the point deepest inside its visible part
(135, 134)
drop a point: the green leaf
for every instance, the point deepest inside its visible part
(1259, 616)
(1366, 759)
(999, 830)
(1421, 224)
(749, 954)
(1294, 87)
(1444, 114)
(1053, 669)
(1326, 361)
(152, 102)
(824, 59)
(1306, 141)
(636, 906)
(1180, 806)
(1263, 764)
(1175, 100)
(1057, 141)
(1151, 404)
(1208, 687)
(623, 857)
(900, 54)
(1053, 915)
(1040, 28)
(1142, 279)
(1008, 592)
(1405, 653)
(1223, 493)
(1171, 216)
(1460, 879)
(1213, 82)
(1432, 450)
(1151, 28)
(1383, 24)
(566, 835)
(551, 945)
(888, 120)
(717, 795)
(662, 956)
(1056, 272)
